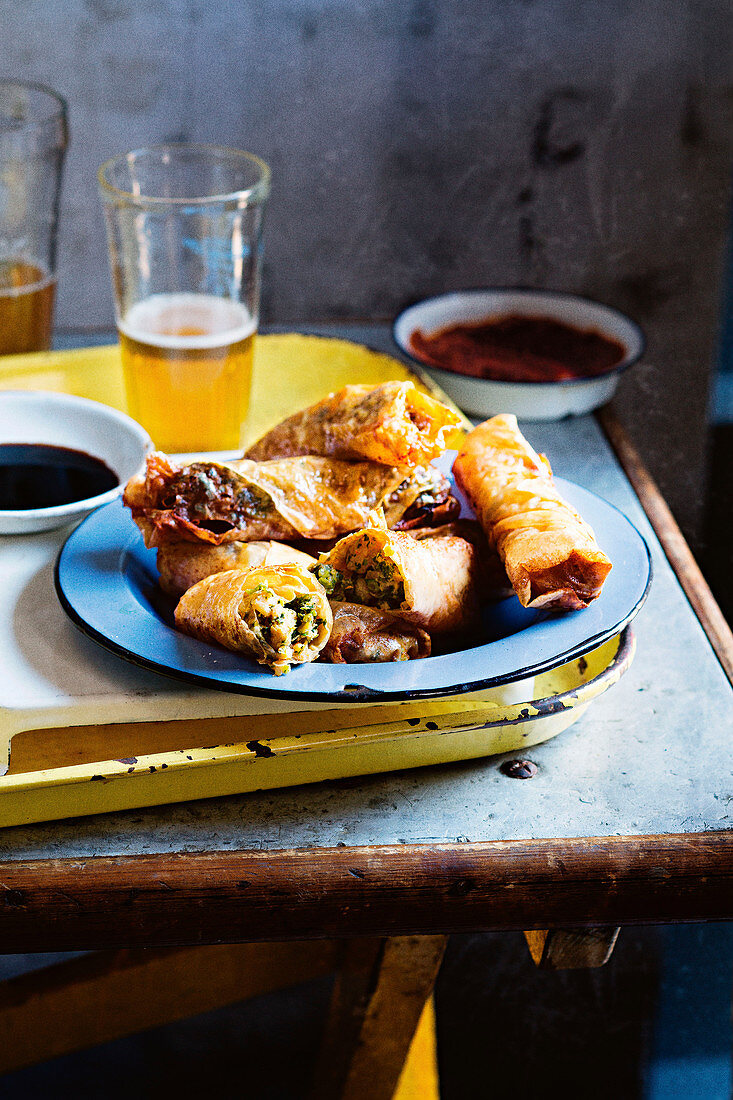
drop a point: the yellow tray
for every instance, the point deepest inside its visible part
(72, 771)
(122, 737)
(290, 371)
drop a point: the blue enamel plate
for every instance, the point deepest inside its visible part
(107, 583)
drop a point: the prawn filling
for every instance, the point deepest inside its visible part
(374, 581)
(287, 629)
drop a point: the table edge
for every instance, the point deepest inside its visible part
(672, 540)
(224, 896)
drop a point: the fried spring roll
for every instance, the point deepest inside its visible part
(550, 554)
(366, 634)
(245, 501)
(429, 582)
(183, 564)
(394, 423)
(423, 498)
(493, 583)
(279, 615)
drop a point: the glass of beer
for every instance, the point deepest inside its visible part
(184, 227)
(33, 140)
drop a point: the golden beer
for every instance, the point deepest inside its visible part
(187, 363)
(27, 294)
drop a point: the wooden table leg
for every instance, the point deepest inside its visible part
(571, 948)
(381, 989)
(381, 1027)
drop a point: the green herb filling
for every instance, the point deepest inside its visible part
(285, 629)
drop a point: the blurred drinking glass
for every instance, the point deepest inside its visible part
(184, 226)
(33, 140)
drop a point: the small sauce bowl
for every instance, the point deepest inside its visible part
(102, 437)
(529, 400)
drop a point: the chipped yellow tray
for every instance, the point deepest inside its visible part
(84, 732)
(304, 367)
(73, 771)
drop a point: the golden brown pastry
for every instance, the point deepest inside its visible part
(365, 634)
(394, 423)
(550, 554)
(279, 615)
(183, 564)
(245, 501)
(430, 582)
(493, 583)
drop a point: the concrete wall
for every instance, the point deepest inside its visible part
(428, 145)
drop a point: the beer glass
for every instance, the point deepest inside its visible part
(33, 140)
(184, 227)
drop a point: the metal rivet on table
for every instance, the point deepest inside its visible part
(519, 769)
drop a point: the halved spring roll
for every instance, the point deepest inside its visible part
(394, 423)
(430, 582)
(245, 501)
(183, 564)
(550, 554)
(365, 634)
(279, 615)
(424, 498)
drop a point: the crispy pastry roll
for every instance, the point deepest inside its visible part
(246, 501)
(550, 554)
(394, 423)
(493, 583)
(429, 582)
(366, 634)
(279, 615)
(183, 564)
(423, 498)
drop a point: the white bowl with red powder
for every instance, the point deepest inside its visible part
(539, 354)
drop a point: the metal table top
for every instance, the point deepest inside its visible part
(651, 756)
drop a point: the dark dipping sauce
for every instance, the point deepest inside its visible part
(519, 349)
(38, 475)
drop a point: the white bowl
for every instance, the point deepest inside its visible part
(527, 400)
(61, 420)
